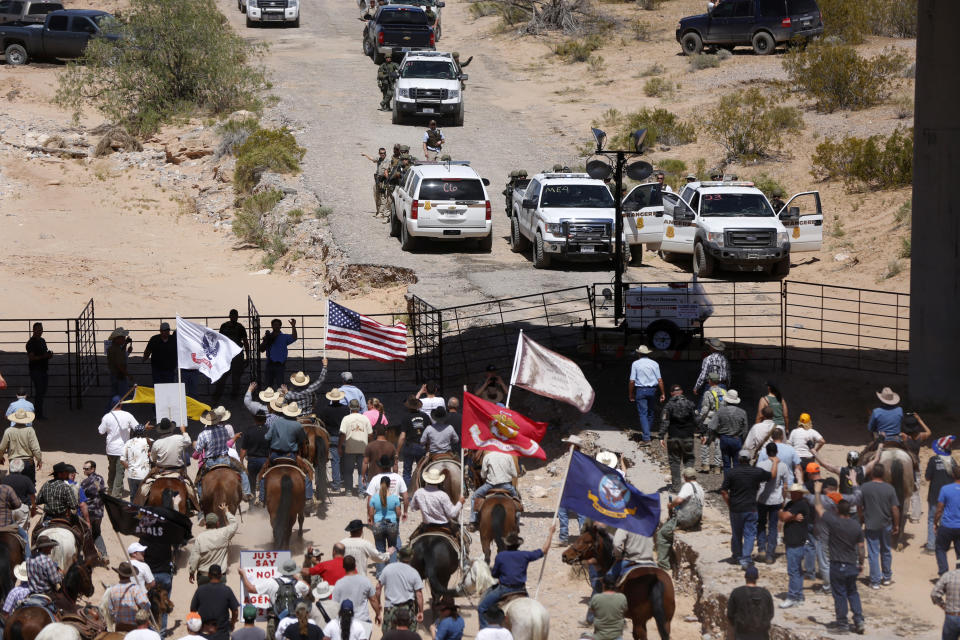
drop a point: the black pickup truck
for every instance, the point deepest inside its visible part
(64, 35)
(396, 29)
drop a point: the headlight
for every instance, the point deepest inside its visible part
(783, 237)
(716, 238)
(252, 3)
(554, 228)
(292, 4)
(404, 93)
(453, 94)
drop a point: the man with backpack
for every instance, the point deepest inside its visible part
(710, 460)
(686, 510)
(284, 592)
(678, 421)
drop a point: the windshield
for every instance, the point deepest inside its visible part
(585, 196)
(404, 16)
(437, 69)
(451, 189)
(729, 205)
(416, 3)
(795, 7)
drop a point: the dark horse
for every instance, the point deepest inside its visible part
(649, 590)
(25, 623)
(496, 518)
(221, 485)
(155, 496)
(436, 559)
(11, 554)
(284, 490)
(316, 451)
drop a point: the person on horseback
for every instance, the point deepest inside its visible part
(19, 592)
(43, 574)
(435, 505)
(60, 501)
(499, 471)
(304, 389)
(212, 446)
(439, 438)
(286, 436)
(510, 568)
(633, 550)
(168, 453)
(124, 600)
(886, 422)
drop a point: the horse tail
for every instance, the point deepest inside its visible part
(6, 584)
(282, 523)
(436, 587)
(15, 632)
(659, 613)
(896, 478)
(498, 516)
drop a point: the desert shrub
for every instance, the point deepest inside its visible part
(177, 58)
(750, 124)
(904, 107)
(904, 251)
(904, 212)
(248, 220)
(837, 77)
(578, 50)
(483, 8)
(656, 69)
(846, 19)
(724, 54)
(893, 269)
(703, 61)
(266, 150)
(595, 64)
(656, 87)
(275, 249)
(649, 5)
(641, 30)
(895, 18)
(663, 127)
(769, 186)
(867, 163)
(234, 133)
(322, 213)
(675, 170)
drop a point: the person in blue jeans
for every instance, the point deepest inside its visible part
(739, 491)
(846, 561)
(795, 516)
(645, 380)
(881, 521)
(510, 568)
(728, 425)
(274, 345)
(383, 512)
(450, 626)
(938, 474)
(946, 594)
(947, 521)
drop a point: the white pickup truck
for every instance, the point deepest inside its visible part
(729, 225)
(429, 85)
(569, 216)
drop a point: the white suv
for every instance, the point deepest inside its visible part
(444, 201)
(286, 12)
(429, 85)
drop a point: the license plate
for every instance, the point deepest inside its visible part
(587, 248)
(428, 109)
(451, 232)
(273, 18)
(805, 23)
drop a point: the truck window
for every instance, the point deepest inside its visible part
(772, 8)
(686, 193)
(724, 9)
(727, 205)
(439, 69)
(404, 17)
(695, 202)
(639, 198)
(533, 191)
(413, 181)
(451, 189)
(585, 196)
(82, 25)
(795, 7)
(58, 23)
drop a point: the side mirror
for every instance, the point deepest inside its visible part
(486, 182)
(681, 213)
(794, 212)
(529, 203)
(630, 207)
(464, 77)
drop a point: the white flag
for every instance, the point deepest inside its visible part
(204, 349)
(547, 373)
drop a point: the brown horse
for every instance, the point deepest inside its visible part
(649, 590)
(284, 490)
(898, 471)
(155, 496)
(11, 554)
(316, 451)
(473, 461)
(25, 623)
(496, 517)
(221, 485)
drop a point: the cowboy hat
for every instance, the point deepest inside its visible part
(63, 467)
(126, 570)
(291, 410)
(644, 349)
(222, 413)
(288, 567)
(322, 591)
(715, 344)
(277, 404)
(267, 394)
(335, 395)
(166, 426)
(20, 572)
(574, 440)
(354, 525)
(607, 458)
(209, 418)
(432, 476)
(796, 487)
(887, 396)
(119, 332)
(300, 379)
(22, 416)
(413, 403)
(731, 397)
(43, 542)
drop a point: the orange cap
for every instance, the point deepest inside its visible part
(813, 467)
(835, 496)
(805, 418)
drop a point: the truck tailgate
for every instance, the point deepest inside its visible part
(406, 36)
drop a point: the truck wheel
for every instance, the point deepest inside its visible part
(485, 243)
(518, 244)
(692, 44)
(636, 254)
(296, 23)
(763, 43)
(458, 117)
(394, 223)
(377, 57)
(250, 23)
(407, 242)
(702, 262)
(436, 31)
(541, 260)
(397, 116)
(16, 55)
(781, 269)
(663, 336)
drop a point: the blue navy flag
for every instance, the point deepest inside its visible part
(600, 493)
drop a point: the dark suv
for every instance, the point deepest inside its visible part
(762, 24)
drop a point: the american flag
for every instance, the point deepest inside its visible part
(349, 331)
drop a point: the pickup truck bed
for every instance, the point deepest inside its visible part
(395, 29)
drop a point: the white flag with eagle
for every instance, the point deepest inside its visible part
(201, 348)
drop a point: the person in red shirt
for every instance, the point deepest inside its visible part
(329, 570)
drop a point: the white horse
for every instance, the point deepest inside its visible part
(526, 618)
(65, 553)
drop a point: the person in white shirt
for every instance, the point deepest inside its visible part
(770, 498)
(136, 460)
(435, 504)
(761, 433)
(143, 576)
(116, 425)
(345, 619)
(270, 587)
(805, 440)
(429, 399)
(686, 510)
(143, 630)
(397, 488)
(499, 471)
(645, 379)
(194, 624)
(494, 630)
(360, 549)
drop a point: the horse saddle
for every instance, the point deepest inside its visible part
(87, 620)
(204, 470)
(41, 600)
(443, 531)
(284, 462)
(510, 597)
(639, 571)
(57, 523)
(503, 493)
(13, 530)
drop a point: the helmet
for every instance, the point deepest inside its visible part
(558, 167)
(521, 173)
(852, 458)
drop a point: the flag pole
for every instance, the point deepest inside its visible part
(553, 520)
(463, 491)
(326, 322)
(181, 399)
(513, 370)
(132, 389)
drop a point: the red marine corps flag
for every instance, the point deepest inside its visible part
(204, 349)
(490, 427)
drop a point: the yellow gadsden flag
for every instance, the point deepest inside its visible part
(146, 395)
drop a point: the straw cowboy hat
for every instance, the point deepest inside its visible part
(267, 394)
(731, 397)
(432, 476)
(22, 416)
(644, 350)
(20, 572)
(119, 332)
(887, 396)
(291, 410)
(300, 379)
(335, 395)
(277, 404)
(223, 414)
(715, 344)
(796, 487)
(209, 418)
(607, 458)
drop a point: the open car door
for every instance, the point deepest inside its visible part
(802, 217)
(642, 217)
(679, 225)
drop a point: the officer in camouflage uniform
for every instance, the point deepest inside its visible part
(386, 81)
(456, 59)
(515, 176)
